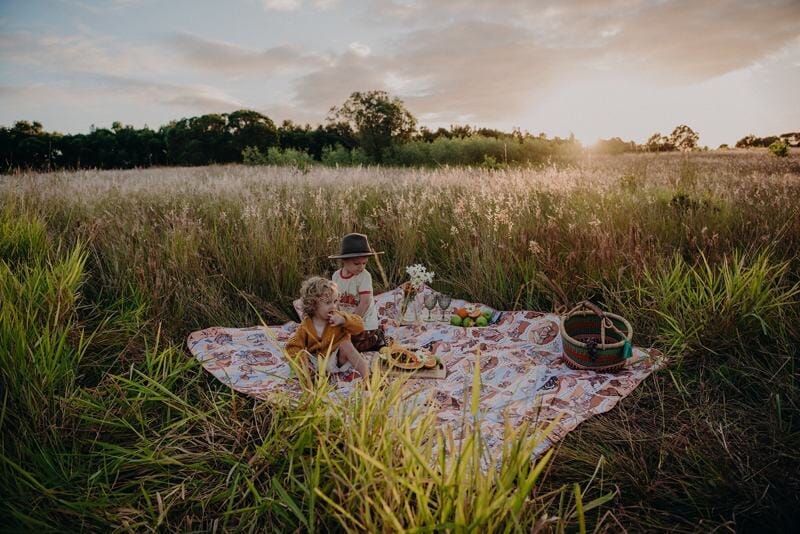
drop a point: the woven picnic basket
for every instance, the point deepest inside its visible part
(594, 339)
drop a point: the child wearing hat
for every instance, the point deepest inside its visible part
(355, 290)
(326, 331)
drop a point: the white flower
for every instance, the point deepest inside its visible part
(419, 275)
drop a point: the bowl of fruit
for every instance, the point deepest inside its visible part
(469, 317)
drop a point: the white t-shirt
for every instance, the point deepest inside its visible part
(351, 290)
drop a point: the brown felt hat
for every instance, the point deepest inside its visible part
(354, 246)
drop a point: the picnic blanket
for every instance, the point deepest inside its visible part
(523, 375)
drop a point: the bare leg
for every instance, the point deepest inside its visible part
(349, 352)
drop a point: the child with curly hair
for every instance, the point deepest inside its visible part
(325, 330)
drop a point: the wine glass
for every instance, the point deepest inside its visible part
(444, 303)
(429, 301)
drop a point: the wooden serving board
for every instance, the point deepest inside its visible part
(440, 371)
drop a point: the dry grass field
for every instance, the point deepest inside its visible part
(109, 424)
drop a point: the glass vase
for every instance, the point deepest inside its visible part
(408, 309)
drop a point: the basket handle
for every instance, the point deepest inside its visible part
(605, 321)
(591, 306)
(594, 307)
(597, 311)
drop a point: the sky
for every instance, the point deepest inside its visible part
(592, 68)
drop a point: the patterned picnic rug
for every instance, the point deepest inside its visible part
(523, 375)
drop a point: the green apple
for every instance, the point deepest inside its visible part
(455, 320)
(466, 323)
(481, 321)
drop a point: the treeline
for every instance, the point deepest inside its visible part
(203, 140)
(791, 139)
(368, 128)
(232, 138)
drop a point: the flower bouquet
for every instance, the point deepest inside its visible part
(418, 276)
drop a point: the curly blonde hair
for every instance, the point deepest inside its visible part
(313, 290)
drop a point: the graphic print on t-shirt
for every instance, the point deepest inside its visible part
(351, 290)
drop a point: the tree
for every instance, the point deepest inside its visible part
(780, 148)
(214, 139)
(684, 138)
(250, 128)
(615, 145)
(341, 133)
(24, 128)
(200, 140)
(378, 121)
(294, 136)
(747, 141)
(461, 132)
(659, 143)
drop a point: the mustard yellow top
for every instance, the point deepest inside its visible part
(306, 338)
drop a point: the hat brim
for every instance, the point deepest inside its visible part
(353, 255)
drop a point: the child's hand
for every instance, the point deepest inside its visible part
(336, 319)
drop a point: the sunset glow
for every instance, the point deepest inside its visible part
(607, 68)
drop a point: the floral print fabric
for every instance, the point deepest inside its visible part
(523, 375)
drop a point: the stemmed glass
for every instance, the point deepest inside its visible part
(444, 303)
(429, 301)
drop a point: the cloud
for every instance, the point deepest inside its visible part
(446, 73)
(12, 90)
(491, 62)
(282, 5)
(449, 60)
(360, 49)
(541, 16)
(73, 108)
(493, 76)
(80, 54)
(381, 11)
(331, 85)
(198, 98)
(297, 114)
(294, 5)
(171, 55)
(220, 56)
(677, 40)
(106, 6)
(84, 70)
(689, 41)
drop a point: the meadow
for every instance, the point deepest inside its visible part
(109, 424)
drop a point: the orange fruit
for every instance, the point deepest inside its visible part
(462, 312)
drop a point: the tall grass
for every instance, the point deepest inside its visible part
(153, 445)
(743, 300)
(108, 423)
